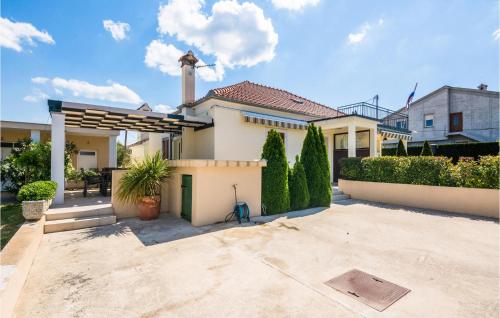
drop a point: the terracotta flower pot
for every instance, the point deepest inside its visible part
(149, 208)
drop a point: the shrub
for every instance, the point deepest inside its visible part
(275, 193)
(299, 194)
(401, 152)
(424, 170)
(478, 174)
(30, 162)
(429, 171)
(453, 151)
(350, 169)
(312, 159)
(325, 190)
(38, 190)
(426, 149)
(384, 169)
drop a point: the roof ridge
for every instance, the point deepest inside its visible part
(288, 92)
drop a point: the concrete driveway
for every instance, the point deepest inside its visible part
(166, 268)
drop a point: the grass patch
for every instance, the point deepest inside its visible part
(12, 218)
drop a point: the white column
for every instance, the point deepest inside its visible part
(351, 140)
(35, 136)
(330, 154)
(112, 152)
(57, 155)
(373, 142)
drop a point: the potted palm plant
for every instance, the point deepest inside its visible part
(141, 185)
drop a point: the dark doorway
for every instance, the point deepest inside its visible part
(340, 149)
(187, 196)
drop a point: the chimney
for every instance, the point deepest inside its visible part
(188, 62)
(482, 87)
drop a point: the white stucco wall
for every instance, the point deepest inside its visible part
(234, 139)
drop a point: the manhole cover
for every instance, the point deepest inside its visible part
(368, 289)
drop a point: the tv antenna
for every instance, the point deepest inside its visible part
(206, 65)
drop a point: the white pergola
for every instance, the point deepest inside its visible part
(95, 117)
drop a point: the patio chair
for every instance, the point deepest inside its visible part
(90, 181)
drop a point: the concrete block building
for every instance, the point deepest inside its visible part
(454, 115)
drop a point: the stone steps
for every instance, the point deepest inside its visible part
(80, 212)
(339, 195)
(78, 217)
(78, 223)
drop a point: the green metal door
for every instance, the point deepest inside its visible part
(187, 194)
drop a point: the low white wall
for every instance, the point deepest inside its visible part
(15, 263)
(479, 202)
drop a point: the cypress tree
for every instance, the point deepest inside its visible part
(299, 194)
(325, 195)
(309, 159)
(401, 152)
(275, 175)
(426, 149)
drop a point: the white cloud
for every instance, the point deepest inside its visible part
(294, 5)
(165, 57)
(36, 96)
(357, 38)
(39, 80)
(236, 34)
(496, 34)
(162, 108)
(114, 92)
(12, 34)
(118, 30)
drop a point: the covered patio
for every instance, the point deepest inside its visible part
(69, 115)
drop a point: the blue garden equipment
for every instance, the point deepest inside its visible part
(241, 211)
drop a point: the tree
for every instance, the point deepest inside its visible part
(30, 162)
(312, 159)
(299, 194)
(275, 193)
(325, 195)
(401, 152)
(426, 149)
(123, 155)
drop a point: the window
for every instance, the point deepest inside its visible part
(429, 120)
(166, 148)
(340, 141)
(363, 139)
(401, 124)
(456, 122)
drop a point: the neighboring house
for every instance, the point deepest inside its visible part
(240, 116)
(96, 148)
(454, 115)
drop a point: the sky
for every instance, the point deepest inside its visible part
(124, 53)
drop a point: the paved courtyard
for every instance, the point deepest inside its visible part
(166, 268)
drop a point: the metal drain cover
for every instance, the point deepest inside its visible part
(368, 289)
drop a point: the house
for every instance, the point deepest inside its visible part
(240, 116)
(454, 115)
(96, 149)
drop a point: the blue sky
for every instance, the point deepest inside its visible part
(333, 52)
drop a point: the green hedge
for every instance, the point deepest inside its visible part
(453, 151)
(38, 190)
(438, 171)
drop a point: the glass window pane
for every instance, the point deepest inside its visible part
(341, 141)
(363, 139)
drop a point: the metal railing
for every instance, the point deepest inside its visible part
(386, 116)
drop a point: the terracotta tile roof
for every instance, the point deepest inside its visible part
(273, 98)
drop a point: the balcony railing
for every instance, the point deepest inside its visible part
(387, 117)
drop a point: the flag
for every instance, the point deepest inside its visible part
(410, 98)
